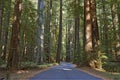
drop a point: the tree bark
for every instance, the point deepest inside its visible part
(68, 41)
(40, 37)
(47, 29)
(77, 24)
(88, 45)
(13, 57)
(59, 48)
(95, 36)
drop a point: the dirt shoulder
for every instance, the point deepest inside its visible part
(22, 74)
(96, 73)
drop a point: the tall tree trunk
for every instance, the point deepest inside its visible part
(50, 25)
(68, 41)
(88, 45)
(40, 37)
(47, 34)
(59, 36)
(77, 43)
(13, 57)
(95, 36)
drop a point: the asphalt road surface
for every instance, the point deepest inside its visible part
(64, 71)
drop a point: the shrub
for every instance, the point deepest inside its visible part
(32, 65)
(28, 65)
(112, 66)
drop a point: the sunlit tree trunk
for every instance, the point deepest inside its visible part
(88, 45)
(13, 57)
(59, 48)
(40, 35)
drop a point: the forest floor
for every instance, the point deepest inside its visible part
(101, 73)
(22, 74)
(26, 74)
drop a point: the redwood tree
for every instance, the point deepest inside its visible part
(77, 25)
(13, 57)
(88, 44)
(59, 35)
(95, 36)
(40, 35)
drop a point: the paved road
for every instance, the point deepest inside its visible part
(64, 71)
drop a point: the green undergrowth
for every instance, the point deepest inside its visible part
(32, 65)
(112, 67)
(112, 70)
(111, 75)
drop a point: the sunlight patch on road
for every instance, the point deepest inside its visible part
(67, 69)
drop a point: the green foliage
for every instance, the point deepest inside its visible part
(32, 65)
(112, 66)
(28, 65)
(104, 58)
(29, 22)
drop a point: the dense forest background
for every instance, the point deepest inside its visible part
(85, 32)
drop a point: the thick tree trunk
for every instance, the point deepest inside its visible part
(88, 45)
(59, 48)
(40, 37)
(95, 36)
(13, 57)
